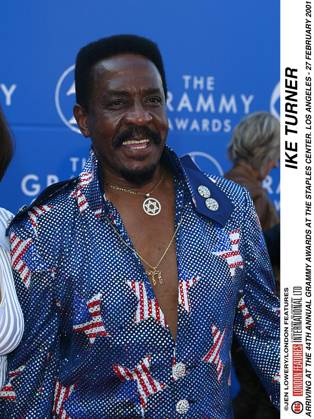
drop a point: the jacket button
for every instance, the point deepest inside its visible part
(212, 204)
(178, 370)
(182, 406)
(203, 191)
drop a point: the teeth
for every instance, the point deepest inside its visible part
(135, 142)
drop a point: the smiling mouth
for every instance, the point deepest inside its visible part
(136, 144)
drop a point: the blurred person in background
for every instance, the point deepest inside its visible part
(11, 318)
(255, 150)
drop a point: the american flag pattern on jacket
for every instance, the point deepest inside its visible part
(81, 199)
(36, 212)
(84, 179)
(7, 391)
(248, 319)
(233, 256)
(62, 393)
(19, 247)
(146, 384)
(184, 290)
(276, 378)
(147, 307)
(95, 322)
(95, 327)
(213, 355)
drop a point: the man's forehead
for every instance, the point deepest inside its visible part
(126, 64)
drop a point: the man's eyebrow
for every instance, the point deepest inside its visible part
(117, 93)
(114, 92)
(152, 91)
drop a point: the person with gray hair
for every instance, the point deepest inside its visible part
(254, 150)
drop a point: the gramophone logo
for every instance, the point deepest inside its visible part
(65, 98)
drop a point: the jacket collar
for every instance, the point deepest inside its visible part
(208, 199)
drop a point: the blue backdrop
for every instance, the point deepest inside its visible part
(221, 58)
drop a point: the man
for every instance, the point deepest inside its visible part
(134, 276)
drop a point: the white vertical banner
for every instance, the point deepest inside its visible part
(297, 206)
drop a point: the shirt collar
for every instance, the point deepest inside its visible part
(208, 199)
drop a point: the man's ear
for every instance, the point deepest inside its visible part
(81, 119)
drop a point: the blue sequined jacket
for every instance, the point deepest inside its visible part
(96, 342)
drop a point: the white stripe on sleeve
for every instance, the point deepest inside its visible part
(11, 318)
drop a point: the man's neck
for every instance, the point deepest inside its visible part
(140, 185)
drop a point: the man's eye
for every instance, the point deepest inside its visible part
(154, 100)
(116, 103)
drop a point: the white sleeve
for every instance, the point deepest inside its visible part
(11, 318)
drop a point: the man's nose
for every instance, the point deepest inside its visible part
(138, 115)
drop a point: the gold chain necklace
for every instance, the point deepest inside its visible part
(154, 274)
(151, 206)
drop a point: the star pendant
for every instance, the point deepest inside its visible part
(151, 206)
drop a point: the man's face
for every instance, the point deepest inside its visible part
(126, 117)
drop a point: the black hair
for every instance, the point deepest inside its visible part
(104, 48)
(6, 145)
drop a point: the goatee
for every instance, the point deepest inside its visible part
(139, 177)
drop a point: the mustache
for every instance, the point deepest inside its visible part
(136, 132)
